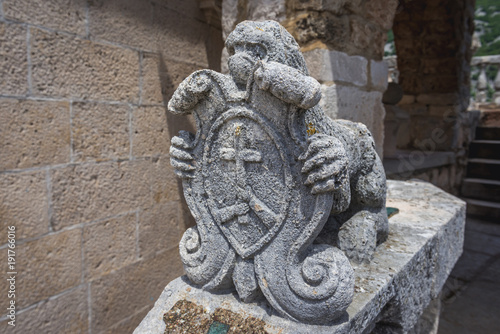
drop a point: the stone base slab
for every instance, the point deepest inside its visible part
(391, 293)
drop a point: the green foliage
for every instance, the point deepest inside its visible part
(491, 23)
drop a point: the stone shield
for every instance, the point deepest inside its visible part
(247, 179)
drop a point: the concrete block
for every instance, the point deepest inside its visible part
(46, 267)
(24, 204)
(61, 15)
(326, 66)
(109, 245)
(131, 288)
(100, 131)
(33, 133)
(159, 229)
(13, 60)
(150, 131)
(85, 193)
(67, 66)
(379, 74)
(67, 313)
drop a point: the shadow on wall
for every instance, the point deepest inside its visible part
(175, 123)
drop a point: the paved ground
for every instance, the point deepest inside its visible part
(471, 297)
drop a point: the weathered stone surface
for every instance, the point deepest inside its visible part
(131, 288)
(62, 15)
(381, 12)
(438, 99)
(33, 133)
(265, 170)
(354, 104)
(379, 73)
(24, 204)
(67, 313)
(367, 38)
(109, 245)
(181, 37)
(160, 77)
(129, 324)
(165, 187)
(159, 229)
(150, 132)
(326, 66)
(128, 22)
(68, 66)
(13, 59)
(46, 267)
(84, 193)
(407, 99)
(394, 289)
(100, 131)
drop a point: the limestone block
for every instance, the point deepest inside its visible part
(159, 229)
(100, 131)
(367, 38)
(83, 193)
(407, 99)
(109, 245)
(150, 131)
(165, 187)
(160, 77)
(67, 313)
(33, 133)
(129, 324)
(438, 99)
(24, 204)
(13, 59)
(326, 66)
(131, 288)
(62, 15)
(128, 22)
(46, 267)
(391, 293)
(181, 37)
(66, 66)
(433, 133)
(319, 5)
(381, 12)
(351, 103)
(379, 74)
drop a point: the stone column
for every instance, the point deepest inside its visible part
(343, 43)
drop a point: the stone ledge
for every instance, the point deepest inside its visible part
(407, 272)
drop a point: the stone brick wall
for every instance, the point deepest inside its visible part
(433, 44)
(343, 43)
(84, 169)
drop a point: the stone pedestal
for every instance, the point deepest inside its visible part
(391, 293)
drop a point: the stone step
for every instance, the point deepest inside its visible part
(487, 133)
(481, 189)
(485, 209)
(485, 149)
(483, 169)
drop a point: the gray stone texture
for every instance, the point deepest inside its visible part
(391, 292)
(277, 189)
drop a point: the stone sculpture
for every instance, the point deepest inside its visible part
(282, 195)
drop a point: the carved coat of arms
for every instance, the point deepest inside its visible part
(263, 175)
